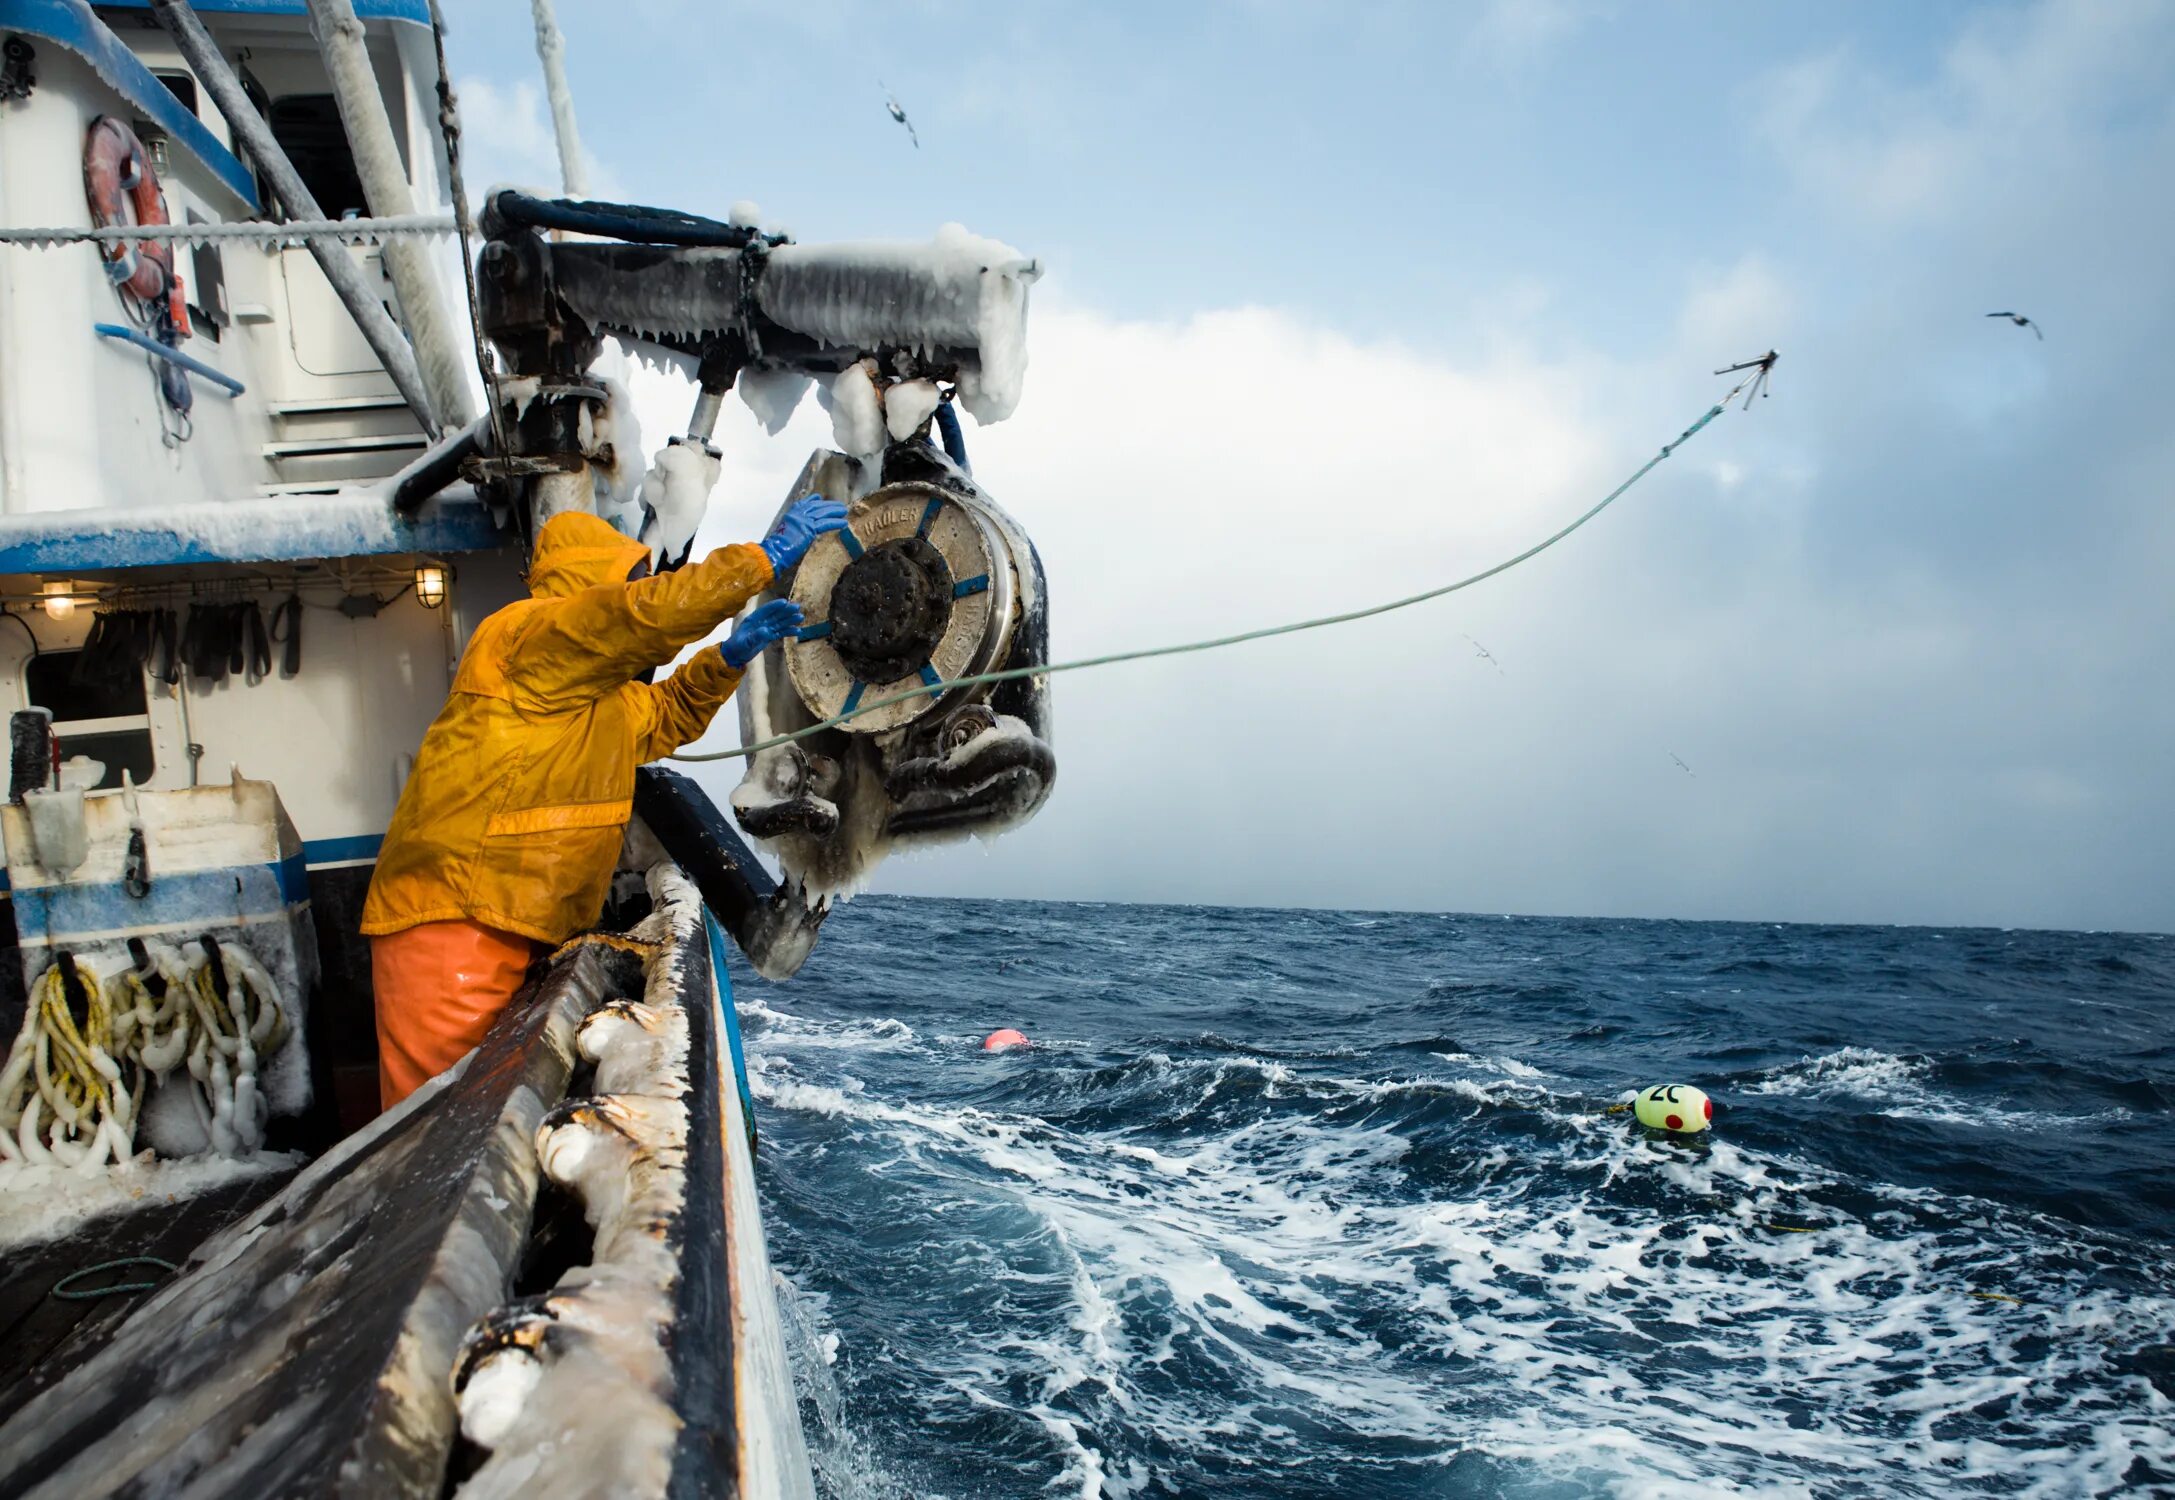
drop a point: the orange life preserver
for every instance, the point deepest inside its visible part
(115, 164)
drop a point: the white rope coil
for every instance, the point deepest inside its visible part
(73, 1088)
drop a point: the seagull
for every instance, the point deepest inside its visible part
(898, 112)
(2022, 322)
(1482, 651)
(1754, 384)
(1687, 770)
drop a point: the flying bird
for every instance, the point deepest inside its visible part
(2022, 322)
(1482, 652)
(898, 112)
(1687, 770)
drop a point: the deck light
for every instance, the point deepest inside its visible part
(60, 599)
(430, 584)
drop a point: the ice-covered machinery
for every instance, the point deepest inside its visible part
(929, 583)
(932, 581)
(168, 955)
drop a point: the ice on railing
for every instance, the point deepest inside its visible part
(348, 522)
(959, 291)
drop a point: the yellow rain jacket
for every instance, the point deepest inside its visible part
(513, 814)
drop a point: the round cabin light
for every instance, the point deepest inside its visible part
(60, 599)
(430, 584)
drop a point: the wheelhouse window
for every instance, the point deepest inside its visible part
(307, 127)
(182, 86)
(105, 716)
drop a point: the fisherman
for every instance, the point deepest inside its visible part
(509, 828)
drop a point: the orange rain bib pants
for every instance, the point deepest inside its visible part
(439, 987)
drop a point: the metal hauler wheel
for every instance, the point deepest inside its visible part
(919, 587)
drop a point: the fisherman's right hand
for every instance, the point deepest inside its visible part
(762, 629)
(798, 529)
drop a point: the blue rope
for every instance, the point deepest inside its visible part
(118, 1289)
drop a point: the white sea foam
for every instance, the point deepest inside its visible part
(1903, 1088)
(1578, 1302)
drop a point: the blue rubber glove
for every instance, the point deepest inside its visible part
(798, 529)
(767, 626)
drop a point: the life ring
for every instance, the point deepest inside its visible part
(116, 167)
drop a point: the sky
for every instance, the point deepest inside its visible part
(1346, 301)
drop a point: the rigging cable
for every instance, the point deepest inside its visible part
(922, 690)
(449, 126)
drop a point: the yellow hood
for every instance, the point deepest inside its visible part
(577, 551)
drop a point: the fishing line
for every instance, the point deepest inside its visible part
(1187, 648)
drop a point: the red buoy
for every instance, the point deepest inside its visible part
(998, 1041)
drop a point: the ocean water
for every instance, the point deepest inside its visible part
(1332, 1204)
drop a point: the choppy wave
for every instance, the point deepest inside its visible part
(1210, 1246)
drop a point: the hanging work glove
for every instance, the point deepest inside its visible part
(772, 623)
(798, 529)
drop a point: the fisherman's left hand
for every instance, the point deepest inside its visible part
(767, 626)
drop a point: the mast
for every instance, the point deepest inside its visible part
(377, 161)
(551, 52)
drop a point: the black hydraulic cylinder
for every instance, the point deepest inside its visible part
(773, 924)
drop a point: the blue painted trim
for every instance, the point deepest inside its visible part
(929, 675)
(979, 583)
(853, 699)
(815, 632)
(342, 851)
(853, 543)
(157, 350)
(73, 25)
(731, 1017)
(416, 12)
(89, 541)
(929, 513)
(210, 897)
(293, 877)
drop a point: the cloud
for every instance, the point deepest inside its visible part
(1866, 750)
(1516, 33)
(507, 139)
(2042, 86)
(1908, 620)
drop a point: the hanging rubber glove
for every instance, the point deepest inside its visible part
(798, 529)
(762, 629)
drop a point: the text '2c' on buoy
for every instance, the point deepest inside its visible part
(1003, 1040)
(1675, 1107)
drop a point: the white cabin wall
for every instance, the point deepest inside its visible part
(334, 738)
(81, 425)
(414, 108)
(338, 737)
(80, 416)
(322, 381)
